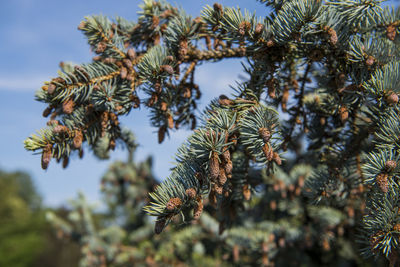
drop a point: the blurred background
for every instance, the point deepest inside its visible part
(36, 35)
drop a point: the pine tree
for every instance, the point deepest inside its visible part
(323, 87)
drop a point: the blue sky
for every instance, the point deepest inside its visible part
(35, 36)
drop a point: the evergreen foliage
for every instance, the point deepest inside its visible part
(330, 67)
(277, 222)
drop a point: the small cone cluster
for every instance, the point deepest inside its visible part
(265, 249)
(271, 85)
(46, 156)
(370, 61)
(259, 29)
(47, 112)
(326, 245)
(161, 133)
(68, 106)
(267, 149)
(223, 100)
(59, 129)
(390, 165)
(214, 166)
(183, 49)
(198, 208)
(78, 138)
(382, 181)
(333, 39)
(220, 170)
(268, 152)
(218, 8)
(174, 203)
(391, 32)
(392, 98)
(104, 121)
(170, 121)
(396, 227)
(191, 193)
(246, 192)
(285, 98)
(167, 68)
(343, 114)
(65, 162)
(265, 134)
(212, 197)
(244, 27)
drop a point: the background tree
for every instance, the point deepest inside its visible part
(20, 240)
(329, 67)
(25, 237)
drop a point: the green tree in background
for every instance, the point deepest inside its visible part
(21, 222)
(297, 164)
(26, 239)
